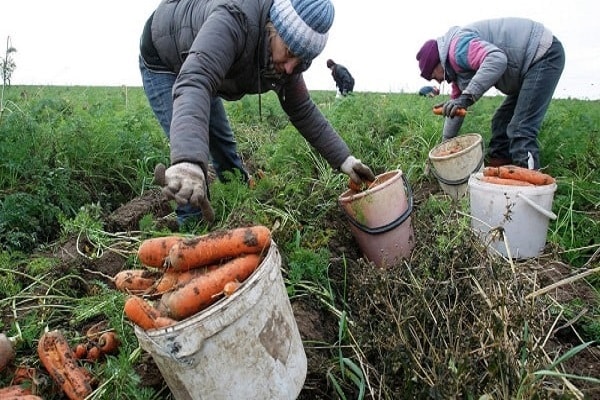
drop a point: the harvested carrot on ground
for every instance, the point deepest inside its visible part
(80, 351)
(519, 173)
(144, 314)
(58, 359)
(108, 342)
(200, 292)
(135, 281)
(504, 181)
(217, 246)
(154, 252)
(14, 391)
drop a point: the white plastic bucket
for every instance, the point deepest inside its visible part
(380, 218)
(454, 160)
(246, 346)
(522, 213)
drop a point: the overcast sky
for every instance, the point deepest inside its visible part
(79, 42)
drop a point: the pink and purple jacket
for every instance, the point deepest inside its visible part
(491, 53)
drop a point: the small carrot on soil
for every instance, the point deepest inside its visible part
(200, 292)
(154, 252)
(108, 342)
(217, 246)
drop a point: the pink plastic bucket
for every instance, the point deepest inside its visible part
(380, 219)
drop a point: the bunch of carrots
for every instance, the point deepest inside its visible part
(513, 175)
(182, 276)
(61, 362)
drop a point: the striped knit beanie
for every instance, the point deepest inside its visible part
(303, 25)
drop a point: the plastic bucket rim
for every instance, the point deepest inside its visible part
(391, 225)
(477, 136)
(346, 197)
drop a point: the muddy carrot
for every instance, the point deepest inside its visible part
(172, 279)
(58, 359)
(200, 292)
(504, 181)
(144, 314)
(108, 342)
(217, 246)
(461, 112)
(14, 391)
(153, 252)
(135, 281)
(519, 173)
(80, 351)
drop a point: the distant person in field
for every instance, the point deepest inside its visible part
(342, 77)
(193, 53)
(429, 91)
(519, 57)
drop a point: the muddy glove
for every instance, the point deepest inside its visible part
(357, 171)
(451, 107)
(185, 183)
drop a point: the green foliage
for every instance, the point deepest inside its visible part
(69, 156)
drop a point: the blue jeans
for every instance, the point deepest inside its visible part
(158, 86)
(516, 123)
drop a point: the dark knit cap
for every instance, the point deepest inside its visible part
(428, 57)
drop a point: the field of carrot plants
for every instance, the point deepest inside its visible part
(77, 199)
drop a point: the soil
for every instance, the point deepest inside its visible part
(315, 325)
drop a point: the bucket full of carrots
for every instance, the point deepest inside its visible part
(511, 208)
(380, 218)
(215, 316)
(454, 160)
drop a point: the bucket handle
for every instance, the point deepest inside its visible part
(387, 227)
(537, 207)
(460, 181)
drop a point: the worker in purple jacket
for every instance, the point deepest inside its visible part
(193, 53)
(519, 57)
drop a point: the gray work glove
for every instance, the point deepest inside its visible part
(185, 183)
(357, 171)
(451, 107)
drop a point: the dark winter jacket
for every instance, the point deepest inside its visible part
(343, 79)
(221, 48)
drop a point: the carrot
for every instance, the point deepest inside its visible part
(519, 173)
(461, 112)
(108, 342)
(94, 353)
(153, 252)
(504, 181)
(58, 359)
(144, 314)
(171, 279)
(135, 281)
(358, 187)
(14, 391)
(20, 397)
(200, 292)
(23, 374)
(80, 351)
(217, 246)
